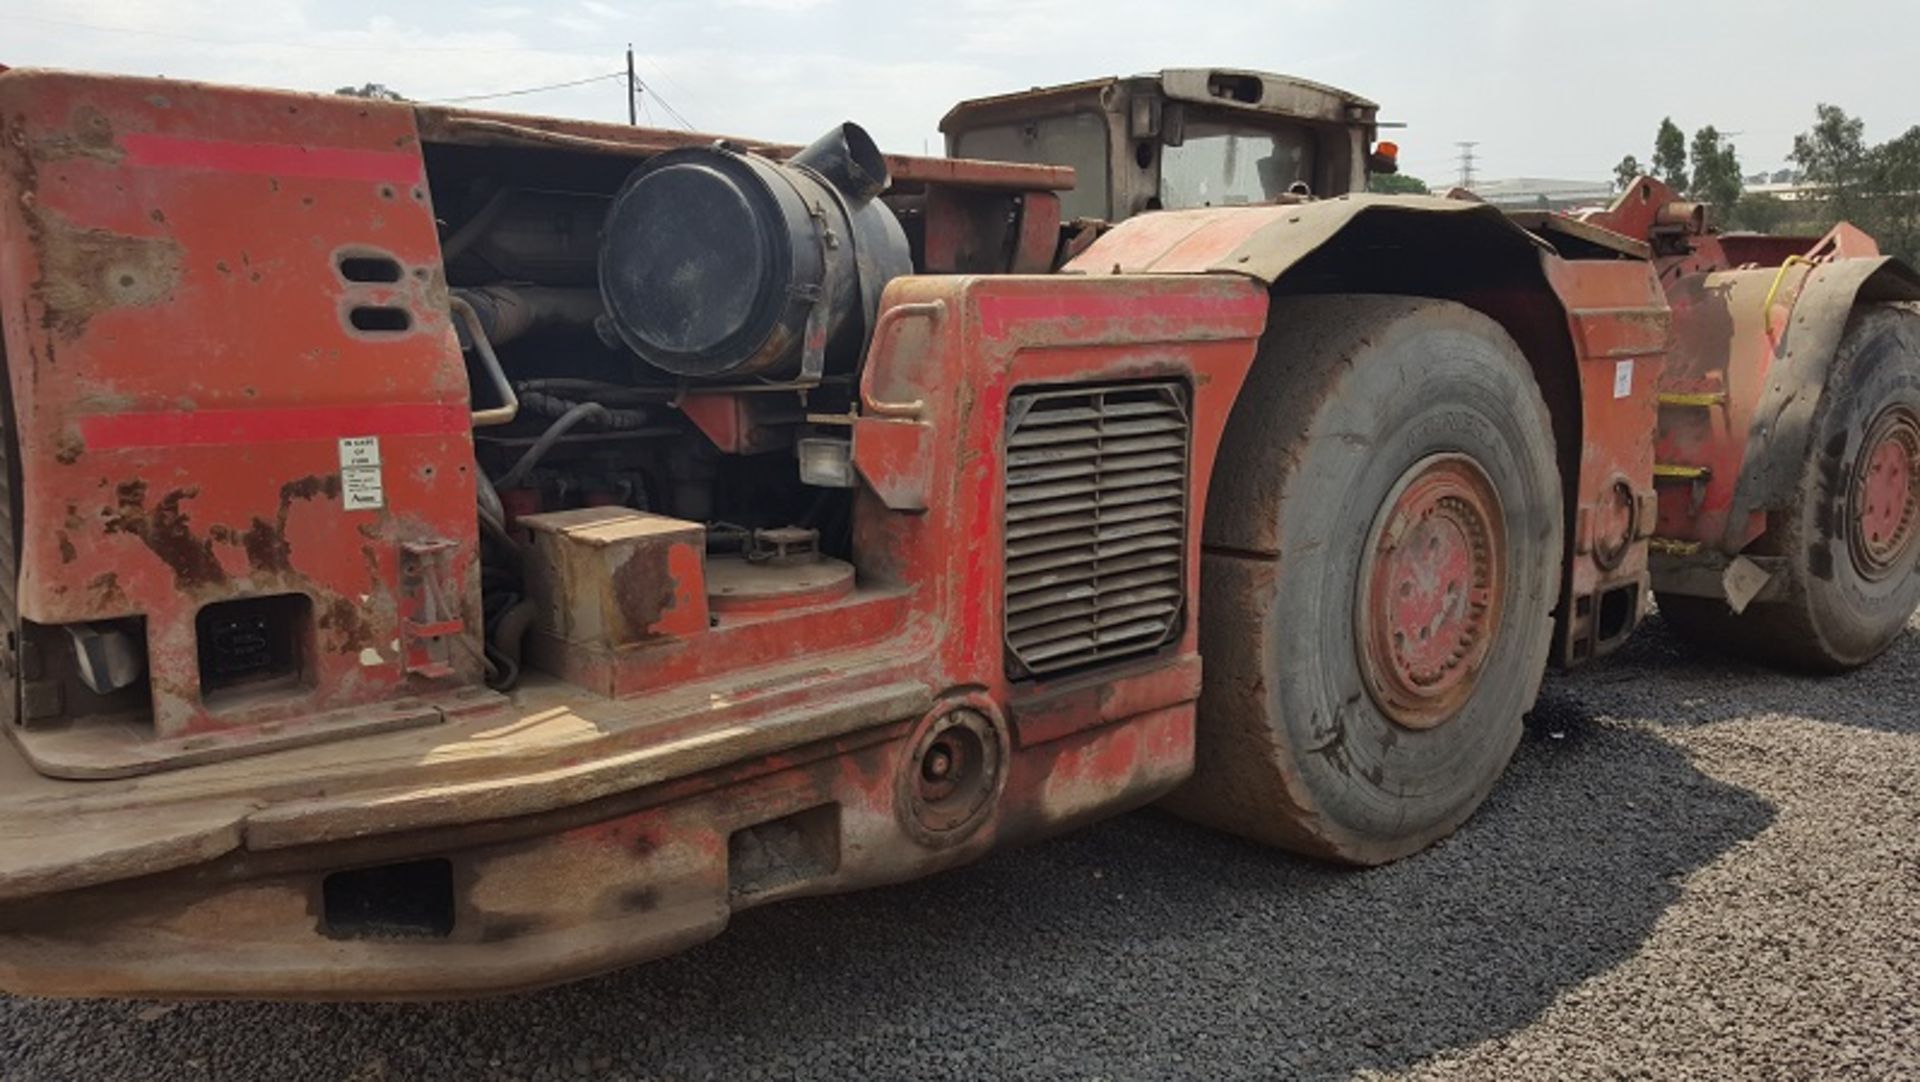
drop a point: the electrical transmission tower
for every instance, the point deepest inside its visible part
(1466, 162)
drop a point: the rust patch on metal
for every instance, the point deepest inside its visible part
(347, 631)
(643, 589)
(68, 553)
(266, 542)
(309, 487)
(90, 137)
(106, 591)
(88, 271)
(164, 529)
(267, 548)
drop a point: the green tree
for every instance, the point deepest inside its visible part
(1761, 212)
(1875, 187)
(1670, 155)
(1835, 162)
(376, 91)
(1626, 173)
(1895, 188)
(1716, 172)
(1397, 184)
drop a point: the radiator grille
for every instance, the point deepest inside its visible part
(1096, 524)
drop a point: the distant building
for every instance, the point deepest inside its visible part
(1522, 193)
(1789, 191)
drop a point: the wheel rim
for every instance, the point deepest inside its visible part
(1884, 499)
(1433, 580)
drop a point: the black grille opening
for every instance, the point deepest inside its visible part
(253, 642)
(1096, 524)
(410, 900)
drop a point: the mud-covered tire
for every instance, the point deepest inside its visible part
(1849, 581)
(1350, 400)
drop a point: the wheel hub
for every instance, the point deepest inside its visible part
(1884, 499)
(1432, 581)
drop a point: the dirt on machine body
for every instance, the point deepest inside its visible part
(450, 552)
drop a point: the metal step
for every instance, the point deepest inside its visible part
(1692, 399)
(1672, 546)
(1666, 472)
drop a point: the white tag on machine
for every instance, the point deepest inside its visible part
(360, 484)
(1622, 379)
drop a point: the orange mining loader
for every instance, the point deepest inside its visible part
(448, 552)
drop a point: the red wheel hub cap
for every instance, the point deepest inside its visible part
(1884, 499)
(1431, 588)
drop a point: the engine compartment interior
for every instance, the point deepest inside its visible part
(665, 337)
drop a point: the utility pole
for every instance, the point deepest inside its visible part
(1466, 162)
(633, 91)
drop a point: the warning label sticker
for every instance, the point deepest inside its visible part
(359, 451)
(361, 488)
(1623, 379)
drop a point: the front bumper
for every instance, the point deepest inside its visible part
(537, 861)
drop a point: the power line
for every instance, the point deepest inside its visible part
(303, 45)
(634, 86)
(664, 103)
(679, 91)
(527, 90)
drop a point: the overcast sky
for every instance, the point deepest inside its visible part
(1546, 88)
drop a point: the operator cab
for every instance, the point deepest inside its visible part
(1185, 137)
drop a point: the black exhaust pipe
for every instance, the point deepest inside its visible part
(847, 158)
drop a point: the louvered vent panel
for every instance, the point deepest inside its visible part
(1096, 523)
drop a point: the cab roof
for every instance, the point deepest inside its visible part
(1256, 91)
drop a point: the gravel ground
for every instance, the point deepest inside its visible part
(1694, 868)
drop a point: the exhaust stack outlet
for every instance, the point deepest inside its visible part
(1682, 215)
(848, 159)
(720, 264)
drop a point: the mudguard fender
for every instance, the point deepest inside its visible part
(1596, 333)
(1805, 341)
(1265, 242)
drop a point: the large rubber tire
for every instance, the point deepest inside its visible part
(1347, 396)
(1833, 614)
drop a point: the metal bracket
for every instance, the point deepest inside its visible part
(1743, 580)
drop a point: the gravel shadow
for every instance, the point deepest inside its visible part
(1142, 948)
(1664, 679)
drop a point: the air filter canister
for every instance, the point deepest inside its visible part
(716, 263)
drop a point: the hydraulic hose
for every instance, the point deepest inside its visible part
(551, 436)
(510, 408)
(504, 644)
(553, 405)
(489, 499)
